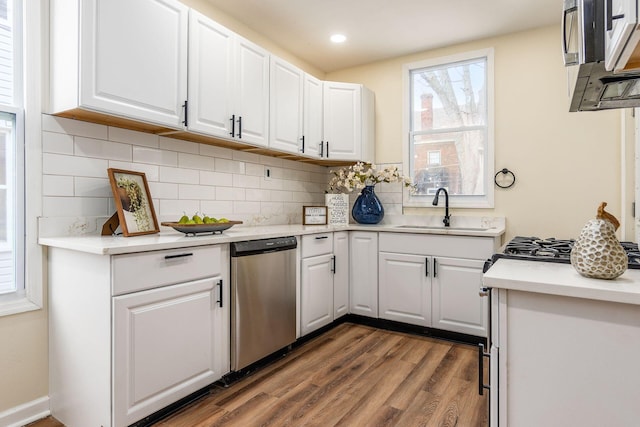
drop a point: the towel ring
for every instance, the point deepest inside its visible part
(504, 171)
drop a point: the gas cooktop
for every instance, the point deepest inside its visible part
(551, 250)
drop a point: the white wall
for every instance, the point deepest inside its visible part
(565, 163)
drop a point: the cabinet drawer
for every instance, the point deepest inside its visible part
(317, 244)
(135, 272)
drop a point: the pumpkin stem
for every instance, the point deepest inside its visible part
(602, 214)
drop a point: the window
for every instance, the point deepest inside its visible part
(449, 118)
(20, 61)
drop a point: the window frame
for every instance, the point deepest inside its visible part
(457, 201)
(29, 132)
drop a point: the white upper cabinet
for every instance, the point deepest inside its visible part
(348, 122)
(228, 83)
(286, 94)
(621, 37)
(313, 120)
(126, 58)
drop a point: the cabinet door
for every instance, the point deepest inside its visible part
(341, 274)
(251, 100)
(363, 252)
(316, 292)
(457, 306)
(312, 112)
(285, 114)
(342, 120)
(134, 59)
(165, 344)
(210, 76)
(622, 28)
(405, 288)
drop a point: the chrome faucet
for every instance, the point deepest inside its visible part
(446, 204)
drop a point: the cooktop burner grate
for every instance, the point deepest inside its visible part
(551, 250)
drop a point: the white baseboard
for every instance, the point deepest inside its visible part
(25, 413)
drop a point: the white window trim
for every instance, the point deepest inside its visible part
(32, 298)
(480, 202)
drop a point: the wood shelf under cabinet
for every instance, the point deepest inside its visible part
(120, 122)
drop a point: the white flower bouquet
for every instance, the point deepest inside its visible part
(361, 174)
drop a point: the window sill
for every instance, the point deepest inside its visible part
(15, 303)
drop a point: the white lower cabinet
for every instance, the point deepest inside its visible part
(121, 348)
(456, 304)
(433, 280)
(363, 292)
(324, 283)
(405, 288)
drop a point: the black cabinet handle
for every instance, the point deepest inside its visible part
(327, 149)
(321, 237)
(240, 127)
(186, 113)
(333, 264)
(221, 299)
(435, 271)
(302, 150)
(178, 256)
(426, 266)
(481, 355)
(233, 126)
(321, 148)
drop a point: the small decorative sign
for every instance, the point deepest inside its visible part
(338, 206)
(314, 215)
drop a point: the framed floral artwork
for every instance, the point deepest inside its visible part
(133, 202)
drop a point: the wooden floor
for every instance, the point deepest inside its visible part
(353, 375)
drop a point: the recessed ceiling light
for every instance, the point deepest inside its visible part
(338, 38)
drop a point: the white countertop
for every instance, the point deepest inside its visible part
(561, 279)
(168, 239)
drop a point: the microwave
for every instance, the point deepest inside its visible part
(591, 86)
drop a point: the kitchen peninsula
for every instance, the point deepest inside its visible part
(564, 347)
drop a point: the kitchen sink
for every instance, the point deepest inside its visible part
(440, 227)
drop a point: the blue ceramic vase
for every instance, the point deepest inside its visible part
(367, 208)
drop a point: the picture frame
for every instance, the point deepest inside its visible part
(314, 215)
(134, 206)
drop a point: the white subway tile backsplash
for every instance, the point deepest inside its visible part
(246, 181)
(218, 209)
(57, 185)
(213, 151)
(155, 156)
(258, 195)
(194, 161)
(216, 178)
(163, 190)
(244, 207)
(281, 196)
(196, 192)
(74, 206)
(101, 149)
(245, 156)
(171, 210)
(229, 166)
(73, 127)
(271, 208)
(179, 175)
(56, 164)
(58, 143)
(271, 184)
(92, 187)
(230, 193)
(254, 169)
(133, 137)
(171, 144)
(150, 171)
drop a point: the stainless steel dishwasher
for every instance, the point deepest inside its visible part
(263, 298)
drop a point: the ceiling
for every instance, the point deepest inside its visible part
(381, 29)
